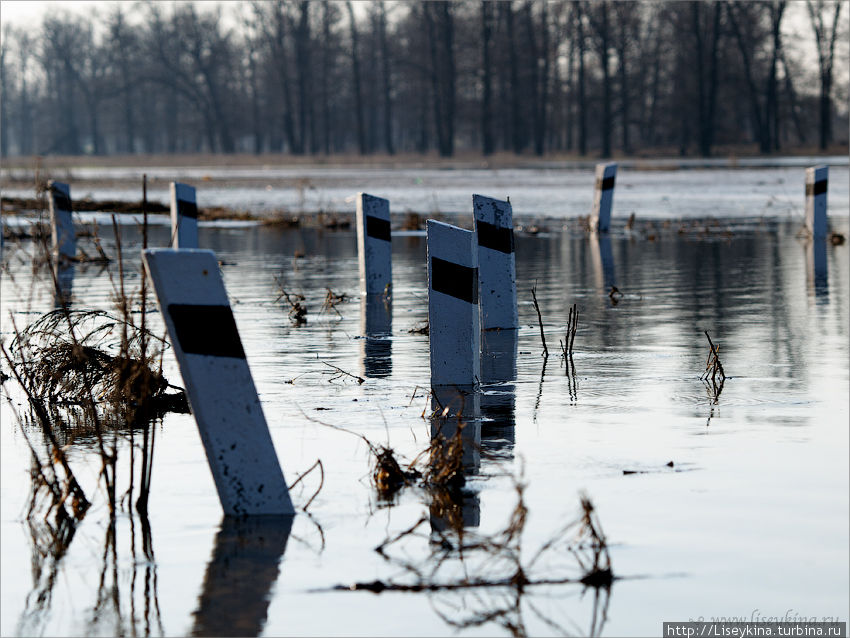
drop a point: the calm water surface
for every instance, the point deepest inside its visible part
(751, 519)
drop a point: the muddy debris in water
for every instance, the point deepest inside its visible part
(297, 309)
(422, 328)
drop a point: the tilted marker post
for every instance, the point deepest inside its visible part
(454, 325)
(374, 244)
(184, 216)
(62, 226)
(603, 197)
(494, 226)
(219, 385)
(816, 183)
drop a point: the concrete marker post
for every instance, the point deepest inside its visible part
(603, 197)
(218, 382)
(184, 216)
(816, 186)
(64, 240)
(493, 221)
(453, 315)
(374, 244)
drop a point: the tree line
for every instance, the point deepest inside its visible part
(523, 76)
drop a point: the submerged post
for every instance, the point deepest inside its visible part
(493, 220)
(454, 325)
(64, 241)
(221, 391)
(603, 197)
(816, 183)
(374, 244)
(184, 216)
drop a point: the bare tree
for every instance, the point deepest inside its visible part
(355, 70)
(825, 41)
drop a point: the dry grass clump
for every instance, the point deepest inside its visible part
(72, 355)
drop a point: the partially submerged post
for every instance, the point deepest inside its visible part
(493, 220)
(453, 320)
(603, 197)
(218, 382)
(374, 244)
(816, 183)
(64, 241)
(184, 216)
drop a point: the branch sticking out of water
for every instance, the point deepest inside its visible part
(297, 311)
(539, 318)
(340, 373)
(714, 369)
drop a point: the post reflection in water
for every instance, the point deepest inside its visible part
(64, 285)
(816, 268)
(454, 407)
(376, 327)
(244, 566)
(603, 262)
(498, 393)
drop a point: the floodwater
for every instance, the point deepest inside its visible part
(751, 520)
(655, 189)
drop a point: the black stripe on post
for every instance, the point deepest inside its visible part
(495, 237)
(186, 208)
(61, 201)
(460, 282)
(605, 184)
(818, 188)
(207, 330)
(377, 228)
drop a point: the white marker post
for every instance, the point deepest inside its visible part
(184, 216)
(816, 183)
(454, 325)
(219, 385)
(61, 224)
(603, 197)
(494, 226)
(374, 244)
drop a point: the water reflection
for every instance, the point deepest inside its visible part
(239, 578)
(498, 393)
(816, 268)
(115, 612)
(456, 411)
(603, 261)
(64, 285)
(376, 327)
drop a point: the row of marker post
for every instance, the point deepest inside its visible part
(471, 289)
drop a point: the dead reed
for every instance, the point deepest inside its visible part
(297, 309)
(539, 319)
(714, 376)
(495, 573)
